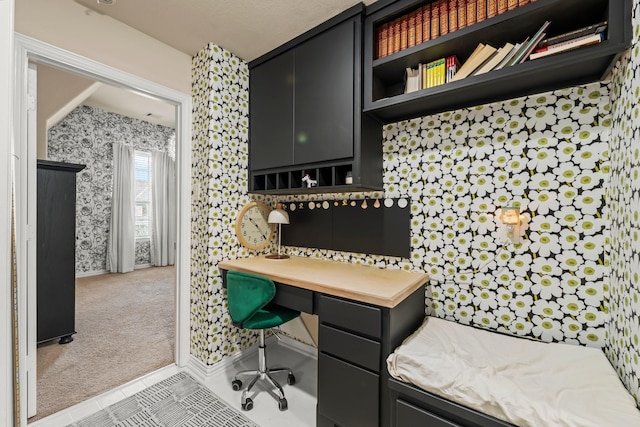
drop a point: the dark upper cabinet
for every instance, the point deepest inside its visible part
(271, 118)
(324, 95)
(305, 114)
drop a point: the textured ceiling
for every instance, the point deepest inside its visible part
(247, 28)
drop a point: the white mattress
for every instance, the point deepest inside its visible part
(527, 383)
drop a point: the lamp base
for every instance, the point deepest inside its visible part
(277, 256)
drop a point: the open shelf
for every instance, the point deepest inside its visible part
(384, 77)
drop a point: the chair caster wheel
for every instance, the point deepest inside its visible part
(282, 404)
(291, 380)
(236, 385)
(248, 405)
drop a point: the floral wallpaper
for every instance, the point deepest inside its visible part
(623, 195)
(86, 136)
(220, 84)
(550, 154)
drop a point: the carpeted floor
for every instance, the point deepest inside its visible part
(125, 326)
(178, 401)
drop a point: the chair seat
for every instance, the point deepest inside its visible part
(269, 317)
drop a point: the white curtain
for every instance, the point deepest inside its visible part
(163, 210)
(122, 243)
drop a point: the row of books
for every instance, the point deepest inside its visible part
(486, 58)
(436, 19)
(431, 74)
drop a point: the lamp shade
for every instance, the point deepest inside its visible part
(278, 215)
(510, 215)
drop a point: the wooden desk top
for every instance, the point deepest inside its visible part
(378, 286)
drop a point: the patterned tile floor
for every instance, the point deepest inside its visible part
(301, 396)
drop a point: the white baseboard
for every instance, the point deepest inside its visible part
(91, 273)
(141, 266)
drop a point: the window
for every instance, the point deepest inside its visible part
(142, 174)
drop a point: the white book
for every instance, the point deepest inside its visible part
(495, 59)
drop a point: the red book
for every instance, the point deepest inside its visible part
(383, 40)
(418, 13)
(453, 15)
(471, 12)
(404, 32)
(481, 10)
(462, 13)
(502, 6)
(443, 17)
(394, 46)
(492, 8)
(435, 19)
(426, 22)
(411, 30)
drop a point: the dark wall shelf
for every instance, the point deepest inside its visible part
(384, 77)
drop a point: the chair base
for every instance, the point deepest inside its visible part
(262, 373)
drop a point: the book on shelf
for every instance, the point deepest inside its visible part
(584, 31)
(492, 8)
(567, 45)
(411, 30)
(435, 19)
(493, 62)
(394, 45)
(452, 64)
(529, 45)
(503, 6)
(404, 32)
(419, 26)
(512, 4)
(462, 13)
(426, 22)
(523, 2)
(481, 53)
(443, 16)
(453, 15)
(472, 14)
(508, 57)
(481, 10)
(521, 47)
(412, 80)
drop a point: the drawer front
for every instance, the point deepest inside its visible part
(350, 315)
(408, 415)
(353, 348)
(347, 395)
(293, 298)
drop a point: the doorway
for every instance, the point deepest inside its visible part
(32, 51)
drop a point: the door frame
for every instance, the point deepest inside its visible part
(28, 50)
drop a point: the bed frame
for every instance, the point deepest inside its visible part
(411, 406)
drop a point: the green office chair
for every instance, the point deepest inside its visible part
(248, 297)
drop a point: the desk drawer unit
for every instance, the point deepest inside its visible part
(408, 415)
(351, 316)
(361, 351)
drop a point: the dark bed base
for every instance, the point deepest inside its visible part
(411, 407)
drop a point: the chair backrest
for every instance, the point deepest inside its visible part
(246, 294)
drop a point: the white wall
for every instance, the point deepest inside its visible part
(6, 107)
(70, 26)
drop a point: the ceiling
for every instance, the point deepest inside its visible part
(246, 28)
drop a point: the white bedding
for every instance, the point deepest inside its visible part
(524, 382)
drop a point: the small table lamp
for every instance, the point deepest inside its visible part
(278, 216)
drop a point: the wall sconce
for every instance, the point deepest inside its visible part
(510, 216)
(278, 216)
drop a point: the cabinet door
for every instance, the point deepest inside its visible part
(324, 92)
(271, 113)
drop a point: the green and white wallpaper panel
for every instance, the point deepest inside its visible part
(220, 84)
(623, 195)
